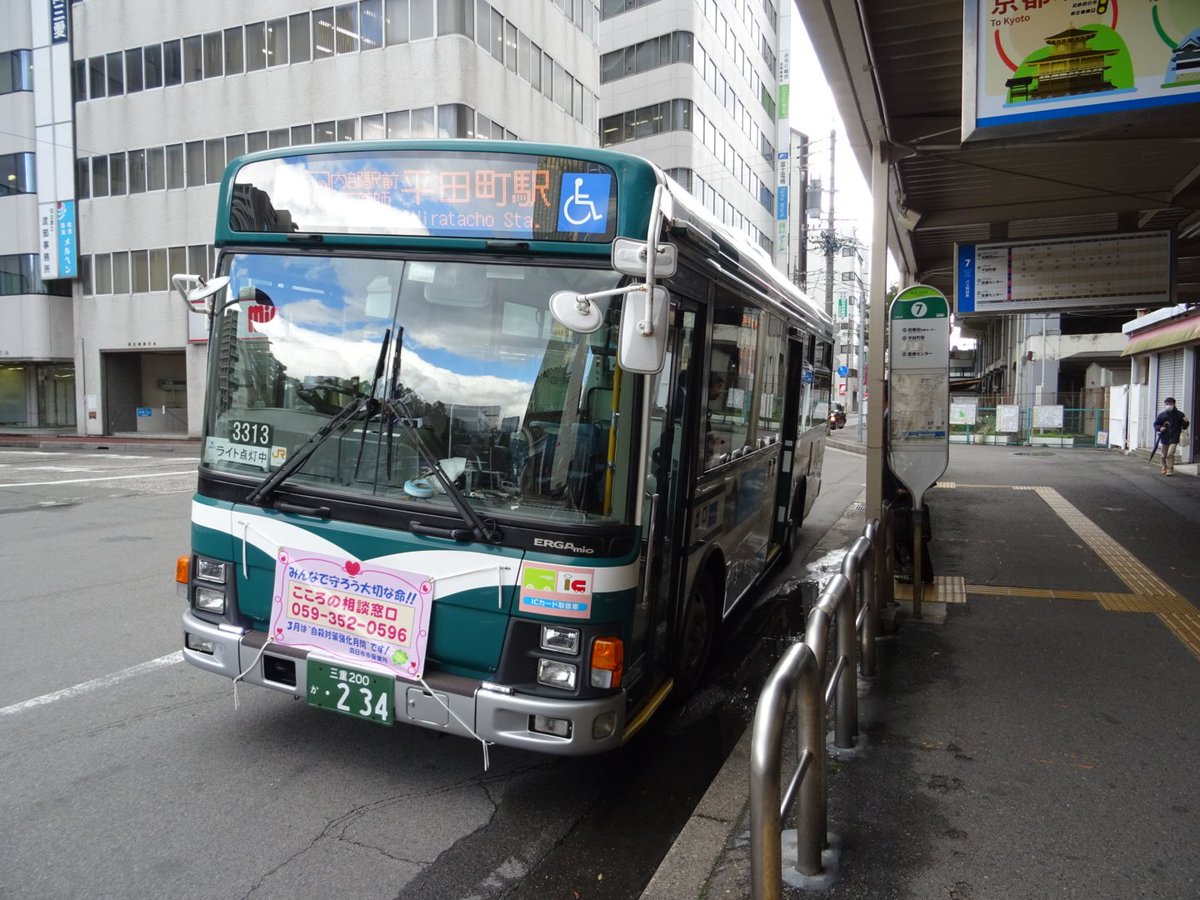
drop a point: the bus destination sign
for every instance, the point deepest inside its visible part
(409, 193)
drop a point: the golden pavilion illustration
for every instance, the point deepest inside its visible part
(1072, 68)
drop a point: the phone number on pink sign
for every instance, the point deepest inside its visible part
(384, 630)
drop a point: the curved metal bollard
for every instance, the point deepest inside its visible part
(800, 676)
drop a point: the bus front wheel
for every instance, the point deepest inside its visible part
(699, 625)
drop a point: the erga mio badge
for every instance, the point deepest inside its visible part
(555, 590)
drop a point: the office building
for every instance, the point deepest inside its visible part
(123, 116)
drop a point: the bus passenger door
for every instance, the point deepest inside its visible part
(668, 477)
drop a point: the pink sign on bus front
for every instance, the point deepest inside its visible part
(351, 611)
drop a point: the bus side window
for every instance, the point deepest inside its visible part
(731, 379)
(774, 375)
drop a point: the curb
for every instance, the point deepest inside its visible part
(95, 442)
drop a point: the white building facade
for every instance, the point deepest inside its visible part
(693, 86)
(124, 115)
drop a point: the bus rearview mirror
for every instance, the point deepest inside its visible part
(195, 288)
(575, 312)
(642, 349)
(629, 258)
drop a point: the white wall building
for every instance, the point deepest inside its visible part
(692, 85)
(123, 116)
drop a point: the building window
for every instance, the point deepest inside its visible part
(137, 171)
(174, 163)
(300, 38)
(235, 146)
(322, 33)
(16, 71)
(214, 160)
(235, 58)
(194, 151)
(133, 71)
(83, 179)
(156, 173)
(99, 176)
(422, 23)
(277, 42)
(20, 273)
(214, 54)
(140, 263)
(172, 63)
(120, 272)
(115, 64)
(97, 78)
(256, 46)
(152, 60)
(193, 58)
(116, 175)
(17, 174)
(346, 28)
(370, 24)
(455, 17)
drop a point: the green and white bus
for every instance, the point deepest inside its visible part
(495, 436)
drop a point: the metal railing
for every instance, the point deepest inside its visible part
(801, 677)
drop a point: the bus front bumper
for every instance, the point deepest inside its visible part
(494, 714)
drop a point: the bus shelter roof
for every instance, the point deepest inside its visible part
(896, 68)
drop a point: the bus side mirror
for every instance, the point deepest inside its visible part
(629, 258)
(642, 346)
(195, 288)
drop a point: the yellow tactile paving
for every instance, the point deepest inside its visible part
(945, 589)
(1001, 590)
(1150, 594)
(1169, 604)
(1123, 563)
(1186, 627)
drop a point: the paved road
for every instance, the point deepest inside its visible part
(127, 774)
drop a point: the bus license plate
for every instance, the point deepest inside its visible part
(351, 692)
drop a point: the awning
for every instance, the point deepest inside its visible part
(1172, 334)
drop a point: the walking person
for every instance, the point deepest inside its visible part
(1169, 425)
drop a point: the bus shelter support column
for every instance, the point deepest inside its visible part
(877, 332)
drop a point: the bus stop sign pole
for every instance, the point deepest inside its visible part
(919, 403)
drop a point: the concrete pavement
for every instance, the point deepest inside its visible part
(1041, 743)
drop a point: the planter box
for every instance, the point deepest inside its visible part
(961, 438)
(1039, 441)
(1001, 439)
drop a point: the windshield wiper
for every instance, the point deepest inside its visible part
(352, 408)
(300, 457)
(480, 530)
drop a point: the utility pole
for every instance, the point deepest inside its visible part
(830, 237)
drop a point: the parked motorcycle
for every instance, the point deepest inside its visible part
(837, 417)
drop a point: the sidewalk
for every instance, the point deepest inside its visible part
(1042, 742)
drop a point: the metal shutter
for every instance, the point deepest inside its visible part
(1170, 376)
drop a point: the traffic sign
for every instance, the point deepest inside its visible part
(843, 371)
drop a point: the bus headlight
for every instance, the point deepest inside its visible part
(554, 673)
(210, 570)
(559, 639)
(210, 600)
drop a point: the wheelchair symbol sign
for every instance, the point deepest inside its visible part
(583, 202)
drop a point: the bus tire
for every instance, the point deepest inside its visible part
(698, 625)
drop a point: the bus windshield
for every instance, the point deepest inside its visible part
(472, 371)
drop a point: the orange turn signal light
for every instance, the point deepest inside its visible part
(608, 654)
(181, 569)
